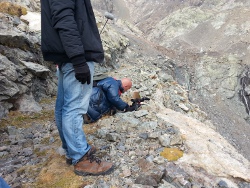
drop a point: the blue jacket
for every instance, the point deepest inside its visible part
(104, 97)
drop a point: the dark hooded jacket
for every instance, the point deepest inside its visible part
(69, 32)
(105, 96)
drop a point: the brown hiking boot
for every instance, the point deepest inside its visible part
(92, 150)
(89, 164)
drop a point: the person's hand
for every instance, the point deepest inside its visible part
(130, 108)
(82, 73)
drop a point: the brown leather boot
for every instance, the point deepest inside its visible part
(89, 164)
(69, 160)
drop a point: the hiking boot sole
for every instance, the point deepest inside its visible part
(109, 171)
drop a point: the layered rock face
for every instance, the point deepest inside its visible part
(25, 77)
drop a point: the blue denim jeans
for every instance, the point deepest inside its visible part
(3, 183)
(71, 103)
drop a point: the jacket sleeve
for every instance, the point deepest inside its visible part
(111, 89)
(63, 21)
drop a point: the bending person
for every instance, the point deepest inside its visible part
(106, 96)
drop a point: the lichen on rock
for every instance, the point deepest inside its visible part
(171, 154)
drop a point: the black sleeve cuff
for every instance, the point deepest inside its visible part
(76, 60)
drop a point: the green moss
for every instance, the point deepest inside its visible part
(7, 142)
(19, 119)
(40, 153)
(12, 9)
(21, 171)
(47, 100)
(45, 141)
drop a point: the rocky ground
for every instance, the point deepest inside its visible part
(168, 142)
(151, 147)
(208, 43)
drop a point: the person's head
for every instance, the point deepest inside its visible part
(126, 84)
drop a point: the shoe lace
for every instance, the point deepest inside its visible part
(92, 157)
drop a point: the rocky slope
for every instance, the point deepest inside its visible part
(169, 142)
(152, 147)
(208, 44)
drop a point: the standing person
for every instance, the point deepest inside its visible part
(70, 39)
(106, 97)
